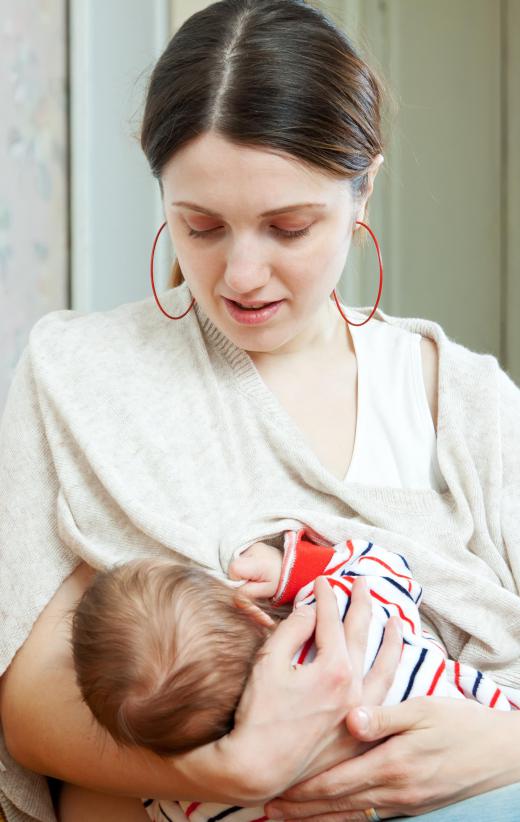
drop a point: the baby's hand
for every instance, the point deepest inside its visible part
(261, 566)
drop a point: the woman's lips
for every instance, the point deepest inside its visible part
(251, 316)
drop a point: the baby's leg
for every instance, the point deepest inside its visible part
(80, 805)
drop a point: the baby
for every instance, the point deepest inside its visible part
(162, 651)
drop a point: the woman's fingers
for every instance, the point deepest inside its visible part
(359, 775)
(289, 635)
(330, 638)
(357, 623)
(378, 722)
(379, 679)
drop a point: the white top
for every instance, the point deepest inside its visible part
(395, 436)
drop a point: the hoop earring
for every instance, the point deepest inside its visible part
(380, 280)
(170, 316)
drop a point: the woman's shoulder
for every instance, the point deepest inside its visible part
(127, 352)
(70, 324)
(451, 366)
(68, 336)
(437, 345)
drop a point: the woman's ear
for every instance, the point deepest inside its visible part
(371, 175)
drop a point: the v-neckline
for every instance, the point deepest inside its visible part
(249, 382)
(297, 434)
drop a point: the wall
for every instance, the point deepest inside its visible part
(448, 203)
(115, 202)
(33, 172)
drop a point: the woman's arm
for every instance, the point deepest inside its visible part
(49, 730)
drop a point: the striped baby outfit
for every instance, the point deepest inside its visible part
(424, 669)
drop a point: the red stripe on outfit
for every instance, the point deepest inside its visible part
(401, 613)
(384, 564)
(336, 568)
(193, 807)
(350, 546)
(435, 679)
(305, 650)
(457, 677)
(336, 583)
(495, 697)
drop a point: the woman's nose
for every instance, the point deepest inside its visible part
(246, 270)
(247, 266)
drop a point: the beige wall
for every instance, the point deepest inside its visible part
(511, 306)
(448, 206)
(181, 9)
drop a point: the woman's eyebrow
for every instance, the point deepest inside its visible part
(282, 210)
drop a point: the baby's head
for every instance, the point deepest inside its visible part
(162, 653)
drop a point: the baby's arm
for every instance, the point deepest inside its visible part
(268, 574)
(260, 565)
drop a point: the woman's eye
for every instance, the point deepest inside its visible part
(292, 235)
(282, 232)
(194, 233)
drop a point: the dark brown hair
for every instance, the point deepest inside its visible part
(162, 654)
(277, 74)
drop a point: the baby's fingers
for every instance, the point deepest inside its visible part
(379, 679)
(258, 590)
(244, 568)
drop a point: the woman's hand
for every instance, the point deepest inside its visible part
(291, 718)
(436, 752)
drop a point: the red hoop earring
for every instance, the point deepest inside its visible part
(170, 316)
(380, 280)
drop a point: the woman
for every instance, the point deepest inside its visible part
(127, 434)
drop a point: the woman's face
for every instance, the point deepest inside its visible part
(252, 226)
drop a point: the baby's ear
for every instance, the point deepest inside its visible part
(253, 611)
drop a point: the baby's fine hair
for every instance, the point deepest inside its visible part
(162, 653)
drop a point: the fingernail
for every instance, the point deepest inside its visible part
(362, 719)
(303, 610)
(273, 812)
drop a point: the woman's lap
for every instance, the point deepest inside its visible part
(501, 805)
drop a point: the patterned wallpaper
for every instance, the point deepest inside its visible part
(33, 169)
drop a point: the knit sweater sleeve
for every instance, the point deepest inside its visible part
(509, 398)
(33, 560)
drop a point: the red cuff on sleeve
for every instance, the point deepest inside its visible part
(303, 561)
